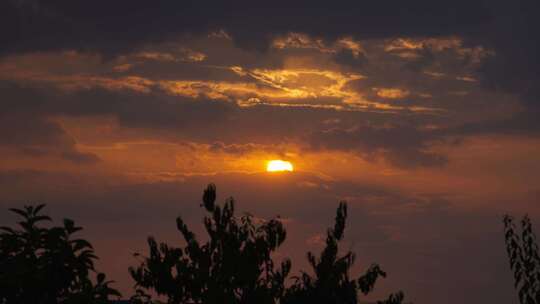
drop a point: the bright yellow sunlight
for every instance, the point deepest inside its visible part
(278, 166)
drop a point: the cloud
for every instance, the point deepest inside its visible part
(412, 21)
(195, 119)
(285, 87)
(242, 99)
(391, 93)
(112, 34)
(35, 137)
(184, 54)
(192, 99)
(32, 135)
(402, 145)
(348, 57)
(238, 149)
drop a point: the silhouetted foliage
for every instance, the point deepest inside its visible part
(47, 265)
(331, 282)
(235, 265)
(524, 260)
(395, 298)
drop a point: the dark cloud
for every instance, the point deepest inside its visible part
(35, 136)
(80, 157)
(514, 36)
(426, 58)
(120, 26)
(25, 126)
(403, 145)
(117, 28)
(232, 148)
(197, 119)
(225, 126)
(159, 111)
(348, 58)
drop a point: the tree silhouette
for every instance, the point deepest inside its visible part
(524, 259)
(235, 264)
(47, 265)
(331, 282)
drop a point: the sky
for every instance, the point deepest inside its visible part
(422, 115)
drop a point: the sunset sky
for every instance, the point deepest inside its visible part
(422, 115)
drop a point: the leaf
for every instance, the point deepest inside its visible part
(100, 278)
(38, 208)
(209, 197)
(81, 244)
(19, 212)
(8, 229)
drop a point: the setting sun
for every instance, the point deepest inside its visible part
(279, 165)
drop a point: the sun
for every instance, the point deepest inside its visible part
(278, 165)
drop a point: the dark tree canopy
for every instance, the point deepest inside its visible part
(331, 283)
(522, 252)
(48, 265)
(235, 264)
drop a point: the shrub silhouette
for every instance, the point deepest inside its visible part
(331, 282)
(235, 265)
(524, 259)
(47, 265)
